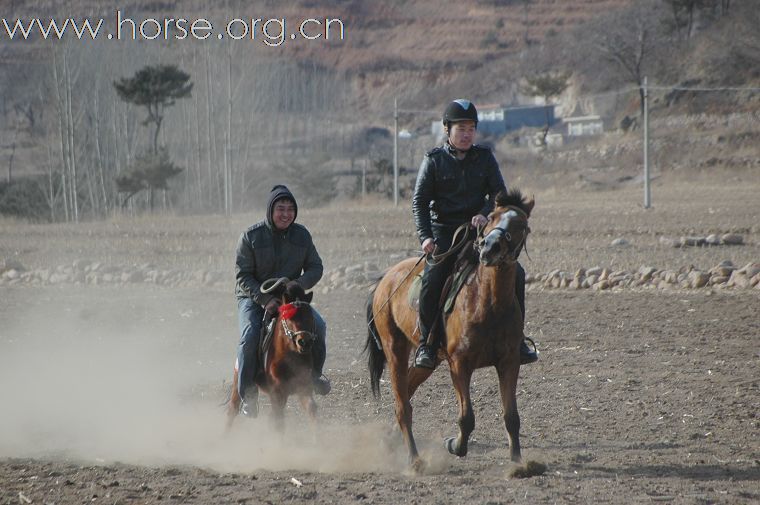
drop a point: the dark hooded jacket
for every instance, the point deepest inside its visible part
(263, 252)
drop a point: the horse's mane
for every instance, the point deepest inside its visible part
(513, 197)
(294, 291)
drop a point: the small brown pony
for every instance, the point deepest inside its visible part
(484, 328)
(287, 369)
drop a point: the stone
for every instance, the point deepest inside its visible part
(751, 269)
(698, 279)
(670, 242)
(604, 275)
(738, 279)
(620, 242)
(575, 283)
(81, 265)
(646, 273)
(597, 271)
(732, 239)
(718, 279)
(712, 239)
(602, 285)
(580, 273)
(755, 281)
(11, 264)
(11, 274)
(693, 241)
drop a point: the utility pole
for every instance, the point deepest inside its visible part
(395, 152)
(647, 188)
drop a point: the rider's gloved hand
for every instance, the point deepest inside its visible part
(478, 220)
(272, 306)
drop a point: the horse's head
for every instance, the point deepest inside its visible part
(504, 236)
(297, 318)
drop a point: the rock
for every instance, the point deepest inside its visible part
(353, 269)
(751, 269)
(670, 277)
(604, 275)
(11, 274)
(693, 241)
(580, 273)
(646, 273)
(755, 281)
(11, 264)
(670, 242)
(718, 279)
(732, 239)
(712, 239)
(601, 285)
(698, 279)
(597, 271)
(738, 279)
(620, 242)
(81, 265)
(575, 283)
(726, 263)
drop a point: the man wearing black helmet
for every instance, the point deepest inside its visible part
(457, 183)
(273, 248)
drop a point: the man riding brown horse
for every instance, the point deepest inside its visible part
(273, 248)
(456, 184)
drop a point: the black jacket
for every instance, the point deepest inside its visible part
(264, 253)
(450, 191)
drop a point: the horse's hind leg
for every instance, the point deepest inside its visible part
(460, 377)
(417, 376)
(508, 374)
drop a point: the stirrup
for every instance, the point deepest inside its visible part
(424, 357)
(530, 355)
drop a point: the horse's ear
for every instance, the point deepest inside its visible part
(529, 204)
(309, 296)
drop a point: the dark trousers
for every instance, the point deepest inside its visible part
(250, 317)
(434, 278)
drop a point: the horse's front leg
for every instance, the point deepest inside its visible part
(233, 406)
(508, 371)
(278, 400)
(460, 377)
(309, 406)
(397, 369)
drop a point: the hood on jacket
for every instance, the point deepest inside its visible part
(279, 192)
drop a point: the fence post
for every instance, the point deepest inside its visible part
(647, 188)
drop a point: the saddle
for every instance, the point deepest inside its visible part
(465, 265)
(265, 343)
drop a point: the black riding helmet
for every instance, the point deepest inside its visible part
(460, 110)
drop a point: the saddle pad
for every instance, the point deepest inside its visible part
(460, 277)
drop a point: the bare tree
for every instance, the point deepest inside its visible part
(628, 40)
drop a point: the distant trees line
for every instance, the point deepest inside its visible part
(236, 116)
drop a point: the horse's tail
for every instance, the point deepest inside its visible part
(374, 349)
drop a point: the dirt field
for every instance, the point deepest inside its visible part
(110, 394)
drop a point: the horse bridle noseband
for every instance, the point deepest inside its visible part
(293, 335)
(507, 256)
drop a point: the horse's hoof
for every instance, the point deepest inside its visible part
(418, 466)
(450, 444)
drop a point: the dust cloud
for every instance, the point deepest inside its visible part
(105, 377)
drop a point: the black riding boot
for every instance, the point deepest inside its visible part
(527, 355)
(425, 355)
(318, 355)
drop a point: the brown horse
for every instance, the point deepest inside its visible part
(484, 328)
(288, 365)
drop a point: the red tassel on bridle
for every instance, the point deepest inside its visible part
(287, 311)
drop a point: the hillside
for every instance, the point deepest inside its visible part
(327, 106)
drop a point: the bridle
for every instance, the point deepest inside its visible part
(293, 335)
(508, 255)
